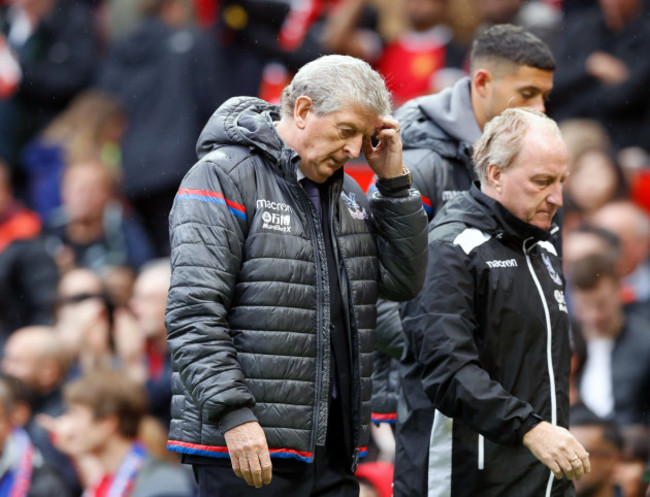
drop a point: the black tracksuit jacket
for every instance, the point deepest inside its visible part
(491, 333)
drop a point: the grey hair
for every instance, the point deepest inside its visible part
(500, 143)
(335, 81)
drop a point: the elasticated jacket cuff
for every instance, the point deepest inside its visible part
(394, 187)
(236, 418)
(531, 422)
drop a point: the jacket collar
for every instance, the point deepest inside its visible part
(508, 225)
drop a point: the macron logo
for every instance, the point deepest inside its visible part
(505, 263)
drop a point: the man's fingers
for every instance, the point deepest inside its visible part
(555, 468)
(256, 471)
(245, 470)
(267, 467)
(578, 470)
(567, 468)
(234, 460)
(586, 463)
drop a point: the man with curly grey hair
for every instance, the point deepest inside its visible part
(490, 328)
(278, 259)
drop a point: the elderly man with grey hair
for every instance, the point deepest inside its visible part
(490, 328)
(278, 259)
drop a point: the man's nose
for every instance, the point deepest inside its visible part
(353, 146)
(539, 104)
(555, 197)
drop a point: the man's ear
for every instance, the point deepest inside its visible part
(481, 81)
(301, 109)
(494, 173)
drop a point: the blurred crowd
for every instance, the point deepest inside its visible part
(101, 103)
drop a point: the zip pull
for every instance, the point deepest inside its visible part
(355, 459)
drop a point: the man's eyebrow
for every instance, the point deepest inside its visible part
(531, 88)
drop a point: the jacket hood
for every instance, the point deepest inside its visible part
(474, 208)
(243, 121)
(440, 122)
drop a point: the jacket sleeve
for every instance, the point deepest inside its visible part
(207, 229)
(401, 226)
(423, 164)
(440, 325)
(389, 338)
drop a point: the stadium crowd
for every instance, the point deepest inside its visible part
(101, 105)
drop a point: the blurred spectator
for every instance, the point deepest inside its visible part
(603, 70)
(54, 43)
(141, 338)
(104, 410)
(615, 381)
(23, 398)
(602, 439)
(587, 240)
(258, 35)
(92, 125)
(28, 275)
(578, 360)
(634, 457)
(583, 134)
(36, 356)
(411, 62)
(632, 227)
(539, 17)
(92, 229)
(375, 479)
(22, 469)
(595, 179)
(118, 283)
(164, 74)
(84, 321)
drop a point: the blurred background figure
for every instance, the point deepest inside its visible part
(632, 227)
(602, 439)
(587, 240)
(164, 73)
(410, 59)
(141, 337)
(55, 45)
(100, 429)
(93, 229)
(603, 71)
(615, 381)
(540, 18)
(28, 275)
(37, 357)
(595, 179)
(22, 469)
(631, 466)
(91, 126)
(84, 321)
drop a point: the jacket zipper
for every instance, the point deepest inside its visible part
(321, 378)
(481, 452)
(549, 345)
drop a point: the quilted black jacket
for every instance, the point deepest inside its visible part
(248, 314)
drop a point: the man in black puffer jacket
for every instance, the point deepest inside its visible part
(490, 329)
(278, 260)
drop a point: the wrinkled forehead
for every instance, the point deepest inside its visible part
(361, 118)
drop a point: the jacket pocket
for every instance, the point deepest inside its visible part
(481, 452)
